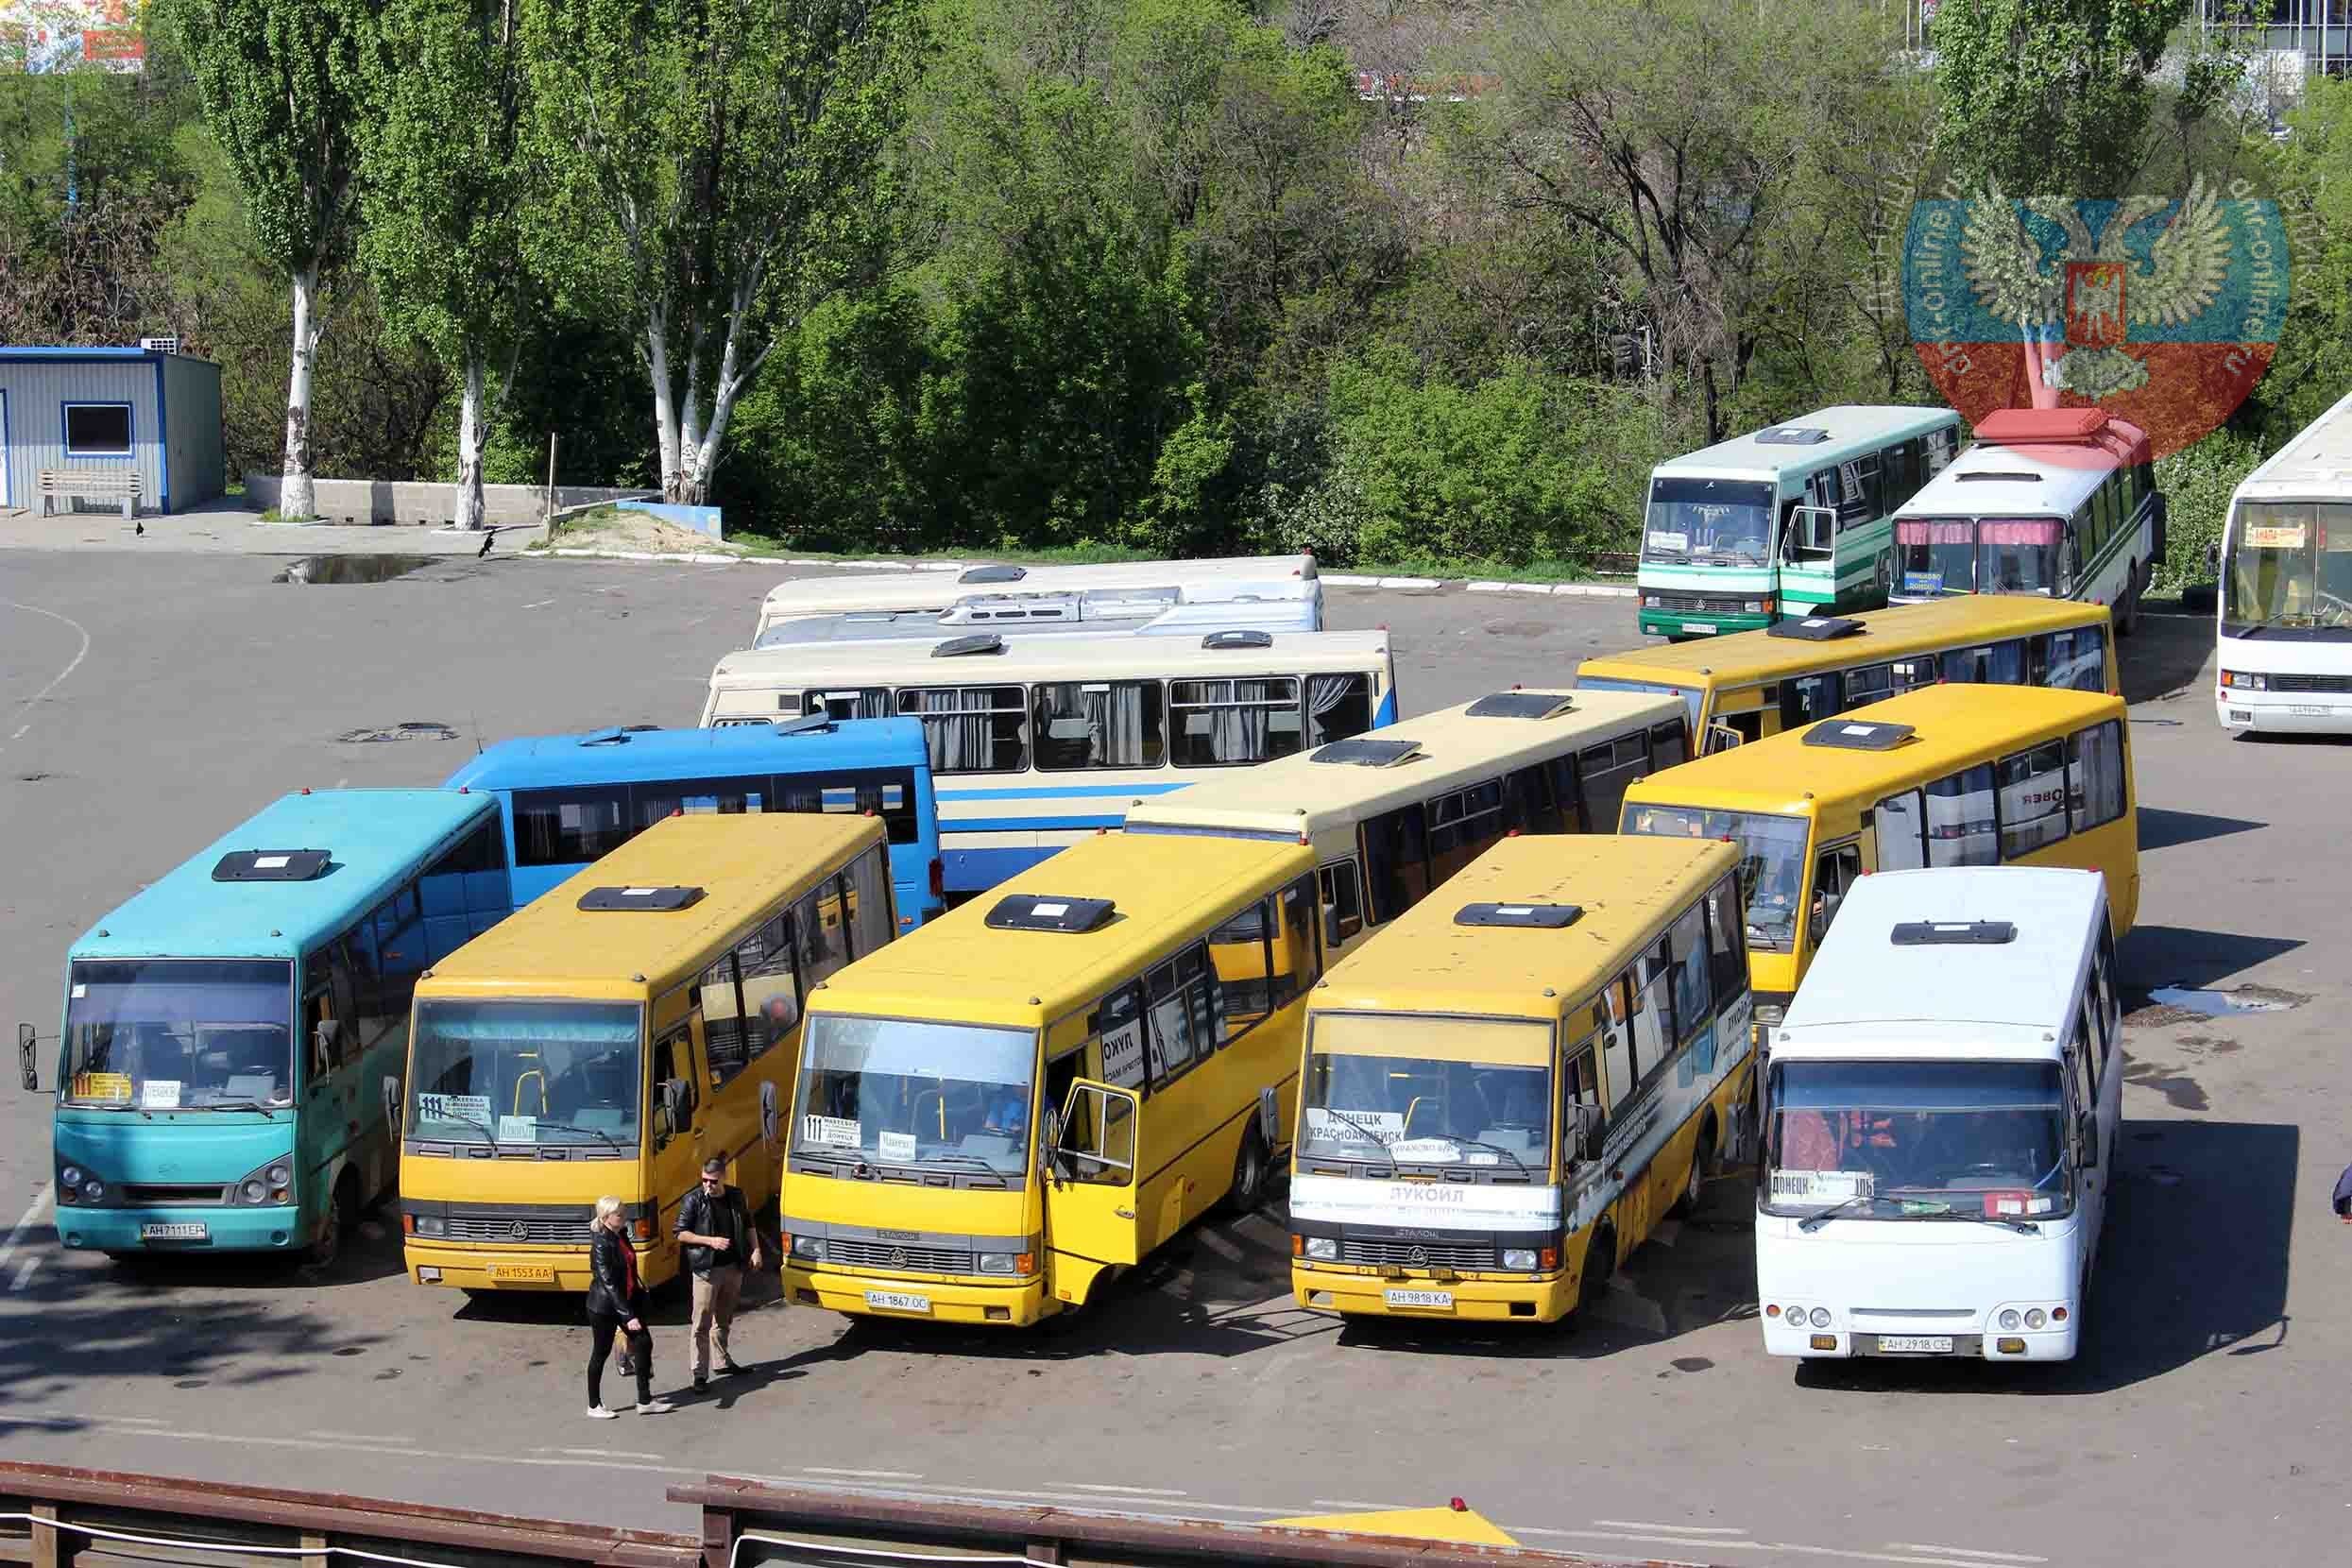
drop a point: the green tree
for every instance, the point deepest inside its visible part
(724, 165)
(2029, 91)
(447, 192)
(276, 78)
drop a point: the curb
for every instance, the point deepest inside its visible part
(1602, 590)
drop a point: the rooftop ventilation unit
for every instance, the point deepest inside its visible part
(1366, 754)
(1816, 628)
(1954, 934)
(978, 643)
(992, 574)
(1028, 911)
(808, 724)
(1542, 917)
(159, 345)
(1239, 638)
(990, 608)
(269, 865)
(1858, 735)
(663, 899)
(1792, 435)
(1521, 705)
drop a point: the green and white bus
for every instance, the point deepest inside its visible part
(1790, 520)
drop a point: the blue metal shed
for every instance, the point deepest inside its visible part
(154, 413)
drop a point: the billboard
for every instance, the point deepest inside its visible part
(47, 36)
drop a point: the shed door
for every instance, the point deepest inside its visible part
(5, 499)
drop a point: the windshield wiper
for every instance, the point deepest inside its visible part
(592, 1132)
(1371, 1137)
(1815, 1223)
(488, 1135)
(973, 1160)
(1473, 1143)
(2023, 1227)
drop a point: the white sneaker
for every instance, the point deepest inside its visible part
(597, 1412)
(655, 1407)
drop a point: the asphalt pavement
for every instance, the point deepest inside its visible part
(150, 700)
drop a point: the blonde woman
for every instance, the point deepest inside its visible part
(616, 1304)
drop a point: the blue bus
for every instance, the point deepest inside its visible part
(572, 799)
(234, 1034)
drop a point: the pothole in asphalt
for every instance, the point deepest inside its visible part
(410, 729)
(345, 570)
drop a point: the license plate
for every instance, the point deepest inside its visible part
(1421, 1298)
(2307, 711)
(539, 1273)
(1920, 1343)
(1698, 625)
(897, 1301)
(175, 1233)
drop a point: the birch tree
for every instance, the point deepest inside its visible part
(447, 186)
(727, 166)
(275, 77)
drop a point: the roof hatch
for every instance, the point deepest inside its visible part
(269, 865)
(1544, 917)
(1238, 637)
(1858, 735)
(639, 898)
(1520, 705)
(616, 735)
(1366, 754)
(978, 643)
(1954, 934)
(992, 574)
(1792, 435)
(2006, 425)
(1816, 628)
(808, 724)
(1029, 912)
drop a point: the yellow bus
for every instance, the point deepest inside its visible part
(1947, 775)
(1751, 684)
(1146, 992)
(1395, 811)
(625, 1027)
(1506, 1091)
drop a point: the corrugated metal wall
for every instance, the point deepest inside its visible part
(192, 433)
(38, 391)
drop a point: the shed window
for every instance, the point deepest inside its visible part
(97, 430)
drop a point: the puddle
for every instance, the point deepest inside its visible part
(345, 569)
(408, 730)
(2217, 1004)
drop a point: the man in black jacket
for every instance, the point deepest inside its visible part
(714, 1226)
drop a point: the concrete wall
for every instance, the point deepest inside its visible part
(359, 501)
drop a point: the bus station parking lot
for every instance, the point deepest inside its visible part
(149, 703)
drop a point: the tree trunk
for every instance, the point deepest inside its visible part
(297, 496)
(665, 402)
(685, 485)
(469, 441)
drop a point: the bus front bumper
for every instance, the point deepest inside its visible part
(213, 1228)
(473, 1268)
(1699, 623)
(1840, 1343)
(1016, 1304)
(2283, 712)
(1523, 1298)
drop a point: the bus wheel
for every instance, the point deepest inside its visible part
(2127, 609)
(1600, 1262)
(1250, 1171)
(1696, 1182)
(322, 1252)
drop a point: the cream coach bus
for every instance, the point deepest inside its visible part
(1396, 810)
(921, 591)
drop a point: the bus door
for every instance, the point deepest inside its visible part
(676, 1102)
(1091, 1179)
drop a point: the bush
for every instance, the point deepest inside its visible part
(2196, 483)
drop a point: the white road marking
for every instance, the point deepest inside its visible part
(1133, 1492)
(1678, 1530)
(74, 663)
(861, 1475)
(355, 1436)
(1963, 1551)
(24, 1272)
(601, 1452)
(540, 606)
(38, 1214)
(340, 782)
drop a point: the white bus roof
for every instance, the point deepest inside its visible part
(1763, 453)
(1118, 657)
(1868, 995)
(1301, 795)
(1149, 612)
(2315, 466)
(2030, 463)
(938, 591)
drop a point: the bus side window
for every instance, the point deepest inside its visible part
(1667, 745)
(1872, 683)
(1296, 943)
(1960, 819)
(1967, 666)
(1606, 769)
(1653, 1024)
(1693, 991)
(726, 1040)
(1909, 674)
(868, 880)
(2095, 764)
(818, 921)
(1617, 1041)
(1806, 698)
(1528, 803)
(1901, 832)
(1573, 815)
(1727, 945)
(1396, 860)
(1343, 894)
(1241, 958)
(771, 988)
(1581, 1086)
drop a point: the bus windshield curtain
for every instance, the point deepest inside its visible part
(1913, 531)
(1324, 694)
(961, 740)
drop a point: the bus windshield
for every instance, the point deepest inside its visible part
(1917, 1140)
(2290, 570)
(1772, 861)
(894, 1091)
(1428, 1091)
(179, 1034)
(1942, 555)
(536, 1073)
(1708, 522)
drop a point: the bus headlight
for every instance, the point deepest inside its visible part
(1322, 1249)
(94, 1191)
(70, 1177)
(272, 1183)
(809, 1246)
(2241, 680)
(2009, 1319)
(2034, 1318)
(999, 1263)
(1519, 1258)
(1819, 1317)
(432, 1224)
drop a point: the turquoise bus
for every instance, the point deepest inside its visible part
(233, 1033)
(1790, 520)
(572, 800)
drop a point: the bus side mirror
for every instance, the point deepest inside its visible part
(770, 1121)
(1588, 1127)
(1332, 935)
(392, 1104)
(25, 1058)
(2213, 556)
(675, 1103)
(2086, 1135)
(1049, 1140)
(328, 1030)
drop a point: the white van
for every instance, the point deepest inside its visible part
(1940, 1112)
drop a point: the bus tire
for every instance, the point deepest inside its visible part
(1696, 1182)
(1252, 1170)
(341, 1210)
(1600, 1263)
(2127, 609)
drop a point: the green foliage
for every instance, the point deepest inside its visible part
(2197, 482)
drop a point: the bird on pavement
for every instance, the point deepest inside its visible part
(138, 529)
(487, 540)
